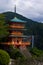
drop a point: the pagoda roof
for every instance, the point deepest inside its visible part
(15, 19)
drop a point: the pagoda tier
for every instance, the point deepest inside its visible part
(17, 31)
(15, 25)
(19, 40)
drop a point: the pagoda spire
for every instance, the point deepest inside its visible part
(15, 9)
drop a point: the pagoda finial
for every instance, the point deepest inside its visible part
(15, 9)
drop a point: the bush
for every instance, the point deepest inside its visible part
(4, 58)
(37, 54)
(15, 53)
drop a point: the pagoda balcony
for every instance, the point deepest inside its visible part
(19, 36)
(16, 33)
(11, 26)
(21, 43)
(18, 44)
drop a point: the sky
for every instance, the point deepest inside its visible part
(32, 9)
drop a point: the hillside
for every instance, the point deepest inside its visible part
(33, 27)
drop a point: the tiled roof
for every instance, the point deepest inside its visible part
(15, 19)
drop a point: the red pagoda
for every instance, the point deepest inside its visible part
(16, 30)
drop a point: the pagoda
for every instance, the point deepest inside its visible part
(16, 30)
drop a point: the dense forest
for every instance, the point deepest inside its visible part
(33, 28)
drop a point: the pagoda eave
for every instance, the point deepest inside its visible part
(19, 36)
(13, 29)
(18, 44)
(17, 22)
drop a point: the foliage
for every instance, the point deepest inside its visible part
(3, 26)
(4, 58)
(37, 54)
(15, 53)
(36, 29)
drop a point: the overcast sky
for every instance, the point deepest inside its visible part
(32, 9)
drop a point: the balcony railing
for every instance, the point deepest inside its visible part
(11, 26)
(18, 44)
(16, 33)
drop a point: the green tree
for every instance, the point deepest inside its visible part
(4, 58)
(3, 26)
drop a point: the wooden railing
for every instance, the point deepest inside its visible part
(16, 33)
(11, 26)
(18, 44)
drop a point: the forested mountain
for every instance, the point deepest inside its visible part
(33, 27)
